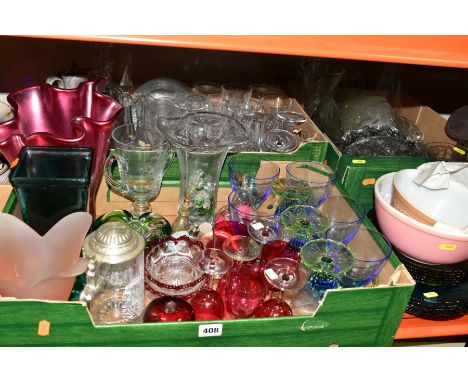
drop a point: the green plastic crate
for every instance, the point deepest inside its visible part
(348, 317)
(311, 151)
(358, 175)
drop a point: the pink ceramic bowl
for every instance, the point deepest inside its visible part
(415, 239)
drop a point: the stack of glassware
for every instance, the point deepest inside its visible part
(366, 125)
(273, 251)
(277, 246)
(265, 111)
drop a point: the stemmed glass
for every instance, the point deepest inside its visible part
(370, 249)
(291, 120)
(241, 248)
(252, 178)
(283, 274)
(143, 157)
(327, 259)
(303, 223)
(346, 216)
(262, 224)
(279, 141)
(244, 290)
(318, 178)
(208, 303)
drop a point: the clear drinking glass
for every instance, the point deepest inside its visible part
(143, 157)
(235, 95)
(345, 215)
(252, 178)
(318, 177)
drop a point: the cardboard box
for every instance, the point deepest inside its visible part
(366, 316)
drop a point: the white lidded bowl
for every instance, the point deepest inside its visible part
(444, 208)
(420, 241)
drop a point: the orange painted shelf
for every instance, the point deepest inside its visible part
(450, 51)
(414, 327)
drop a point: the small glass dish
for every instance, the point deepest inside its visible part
(170, 267)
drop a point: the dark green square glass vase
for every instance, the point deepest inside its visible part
(50, 183)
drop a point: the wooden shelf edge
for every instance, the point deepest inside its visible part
(412, 327)
(448, 51)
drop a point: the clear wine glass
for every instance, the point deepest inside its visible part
(279, 141)
(241, 248)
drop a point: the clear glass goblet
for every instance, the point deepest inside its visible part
(318, 178)
(143, 157)
(241, 248)
(252, 178)
(279, 141)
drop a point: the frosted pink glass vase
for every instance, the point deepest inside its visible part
(48, 116)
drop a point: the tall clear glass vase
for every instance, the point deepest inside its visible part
(199, 178)
(202, 141)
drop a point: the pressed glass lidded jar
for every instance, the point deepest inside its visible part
(115, 280)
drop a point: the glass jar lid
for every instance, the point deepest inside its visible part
(113, 243)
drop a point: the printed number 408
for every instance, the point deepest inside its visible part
(210, 330)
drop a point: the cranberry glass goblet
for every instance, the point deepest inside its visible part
(282, 274)
(244, 291)
(208, 303)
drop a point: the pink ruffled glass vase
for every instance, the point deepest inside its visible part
(48, 116)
